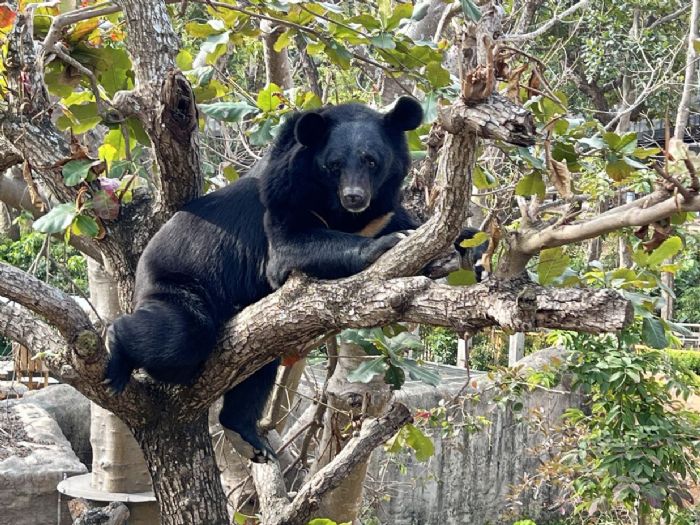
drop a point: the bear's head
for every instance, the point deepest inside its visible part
(359, 153)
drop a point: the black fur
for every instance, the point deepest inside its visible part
(330, 173)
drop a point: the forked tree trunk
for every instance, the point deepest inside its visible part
(186, 479)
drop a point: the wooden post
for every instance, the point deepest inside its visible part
(463, 346)
(516, 348)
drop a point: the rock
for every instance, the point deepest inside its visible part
(11, 390)
(40, 457)
(71, 410)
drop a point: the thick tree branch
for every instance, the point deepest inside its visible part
(305, 309)
(20, 324)
(270, 487)
(553, 236)
(49, 302)
(163, 100)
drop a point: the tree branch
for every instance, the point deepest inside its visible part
(610, 221)
(9, 156)
(164, 102)
(20, 324)
(547, 25)
(14, 193)
(304, 309)
(270, 485)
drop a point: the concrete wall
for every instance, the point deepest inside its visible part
(469, 479)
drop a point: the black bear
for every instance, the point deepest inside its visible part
(327, 203)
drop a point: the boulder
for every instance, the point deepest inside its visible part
(34, 457)
(71, 410)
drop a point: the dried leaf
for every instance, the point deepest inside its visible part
(561, 178)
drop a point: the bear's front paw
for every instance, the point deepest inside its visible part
(383, 244)
(119, 367)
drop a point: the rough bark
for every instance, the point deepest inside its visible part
(691, 61)
(346, 403)
(185, 476)
(277, 68)
(279, 511)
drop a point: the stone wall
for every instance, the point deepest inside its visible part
(470, 477)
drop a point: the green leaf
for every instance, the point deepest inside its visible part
(269, 97)
(470, 10)
(85, 226)
(395, 377)
(653, 333)
(367, 370)
(437, 75)
(212, 27)
(552, 264)
(215, 46)
(58, 219)
(76, 171)
(461, 277)
(228, 111)
(401, 12)
(262, 134)
(338, 54)
(531, 184)
(283, 40)
(483, 179)
(478, 239)
(383, 41)
(405, 339)
(669, 248)
(420, 373)
(419, 442)
(696, 45)
(384, 10)
(431, 105)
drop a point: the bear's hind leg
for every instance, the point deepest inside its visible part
(169, 340)
(243, 408)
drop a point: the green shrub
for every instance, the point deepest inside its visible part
(689, 359)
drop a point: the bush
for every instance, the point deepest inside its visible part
(689, 359)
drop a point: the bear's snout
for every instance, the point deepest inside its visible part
(354, 199)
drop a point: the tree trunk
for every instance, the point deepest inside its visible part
(342, 504)
(186, 479)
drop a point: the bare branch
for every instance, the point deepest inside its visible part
(549, 24)
(271, 489)
(670, 17)
(19, 324)
(612, 220)
(49, 302)
(690, 76)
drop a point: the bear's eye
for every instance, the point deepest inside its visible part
(371, 162)
(333, 167)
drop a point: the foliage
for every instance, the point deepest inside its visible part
(440, 343)
(390, 345)
(689, 359)
(66, 268)
(636, 447)
(687, 283)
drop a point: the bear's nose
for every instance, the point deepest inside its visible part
(354, 198)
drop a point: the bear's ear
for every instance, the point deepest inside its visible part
(407, 114)
(310, 129)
